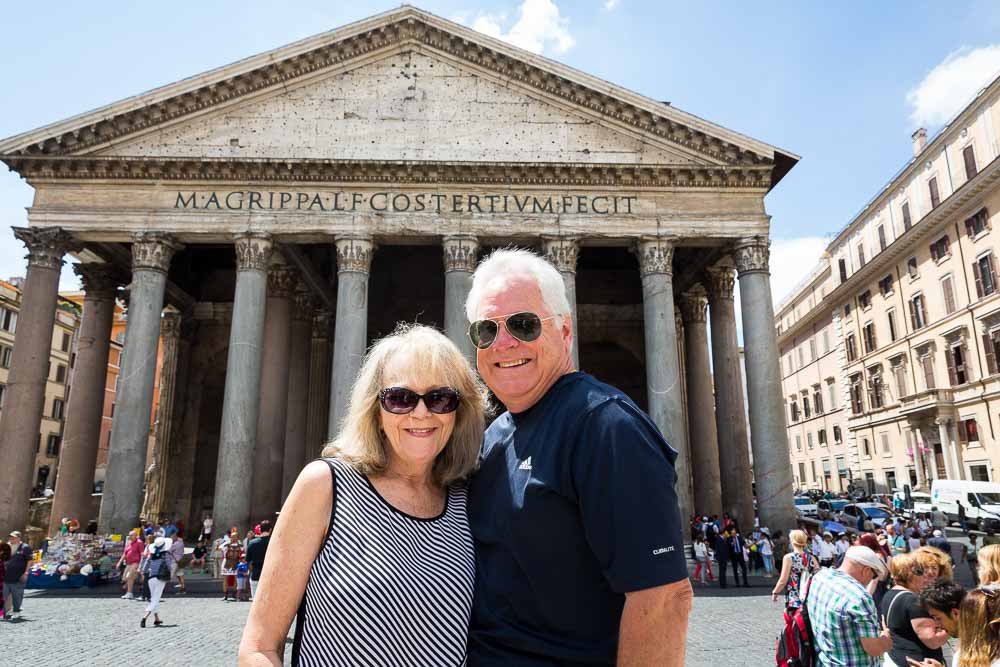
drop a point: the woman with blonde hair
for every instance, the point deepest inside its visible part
(989, 564)
(372, 548)
(915, 634)
(793, 566)
(931, 557)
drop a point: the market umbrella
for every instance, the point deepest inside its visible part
(833, 527)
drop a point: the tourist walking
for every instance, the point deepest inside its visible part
(914, 632)
(738, 556)
(796, 568)
(701, 558)
(844, 618)
(381, 519)
(176, 556)
(15, 576)
(827, 551)
(723, 556)
(206, 528)
(256, 554)
(766, 549)
(972, 557)
(156, 570)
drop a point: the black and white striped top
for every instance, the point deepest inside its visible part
(387, 588)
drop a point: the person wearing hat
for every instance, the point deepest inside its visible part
(157, 572)
(15, 576)
(827, 550)
(844, 618)
(939, 541)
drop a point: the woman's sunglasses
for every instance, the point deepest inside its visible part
(401, 401)
(525, 327)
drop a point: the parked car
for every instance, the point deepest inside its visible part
(981, 501)
(828, 509)
(877, 512)
(805, 507)
(921, 503)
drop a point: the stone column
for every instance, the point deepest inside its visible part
(730, 419)
(931, 469)
(319, 385)
(704, 438)
(180, 459)
(122, 499)
(562, 252)
(663, 383)
(297, 412)
(459, 263)
(768, 435)
(269, 455)
(82, 433)
(241, 398)
(158, 470)
(354, 261)
(945, 430)
(918, 459)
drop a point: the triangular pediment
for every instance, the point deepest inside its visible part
(403, 85)
(412, 105)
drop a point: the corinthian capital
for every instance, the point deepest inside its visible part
(321, 324)
(152, 251)
(253, 251)
(720, 281)
(46, 246)
(752, 255)
(562, 252)
(694, 303)
(170, 324)
(281, 278)
(305, 302)
(656, 255)
(354, 253)
(460, 253)
(100, 281)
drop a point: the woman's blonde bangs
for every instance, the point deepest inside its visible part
(431, 359)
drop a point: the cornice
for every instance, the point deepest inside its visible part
(282, 67)
(397, 171)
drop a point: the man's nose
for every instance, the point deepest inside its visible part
(504, 339)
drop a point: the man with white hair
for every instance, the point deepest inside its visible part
(579, 550)
(844, 618)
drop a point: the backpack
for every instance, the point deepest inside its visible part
(796, 645)
(161, 569)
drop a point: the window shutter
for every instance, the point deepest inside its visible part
(934, 253)
(913, 316)
(991, 358)
(979, 279)
(969, 155)
(963, 435)
(970, 228)
(993, 273)
(950, 358)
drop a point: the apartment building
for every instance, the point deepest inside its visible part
(58, 381)
(908, 295)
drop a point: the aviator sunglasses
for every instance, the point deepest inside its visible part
(525, 327)
(401, 401)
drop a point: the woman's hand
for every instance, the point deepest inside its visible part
(926, 662)
(774, 596)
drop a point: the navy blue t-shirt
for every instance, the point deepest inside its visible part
(573, 506)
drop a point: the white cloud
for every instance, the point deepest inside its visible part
(539, 27)
(611, 4)
(951, 85)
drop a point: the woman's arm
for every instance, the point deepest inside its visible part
(786, 569)
(297, 537)
(930, 635)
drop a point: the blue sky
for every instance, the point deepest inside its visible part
(828, 81)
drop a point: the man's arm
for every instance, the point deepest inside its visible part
(654, 626)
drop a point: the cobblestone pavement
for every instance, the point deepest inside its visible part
(732, 630)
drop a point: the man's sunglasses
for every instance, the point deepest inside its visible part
(401, 401)
(525, 327)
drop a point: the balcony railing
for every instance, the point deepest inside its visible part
(930, 399)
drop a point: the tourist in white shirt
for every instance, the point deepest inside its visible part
(827, 551)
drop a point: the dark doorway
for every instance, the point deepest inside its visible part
(406, 285)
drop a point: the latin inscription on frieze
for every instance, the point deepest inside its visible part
(405, 202)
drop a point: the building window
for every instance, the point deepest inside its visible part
(978, 223)
(842, 265)
(933, 188)
(831, 391)
(866, 448)
(907, 221)
(809, 440)
(918, 314)
(886, 449)
(969, 156)
(57, 408)
(876, 389)
(826, 341)
(802, 359)
(991, 345)
(847, 310)
(890, 479)
(899, 375)
(885, 285)
(911, 268)
(957, 371)
(836, 434)
(3, 393)
(985, 274)
(881, 237)
(795, 410)
(52, 446)
(948, 292)
(869, 336)
(798, 443)
(979, 473)
(8, 320)
(112, 412)
(968, 430)
(60, 373)
(826, 474)
(65, 342)
(865, 299)
(891, 318)
(812, 468)
(817, 399)
(852, 348)
(812, 349)
(806, 412)
(821, 434)
(927, 366)
(802, 473)
(6, 356)
(857, 403)
(861, 254)
(941, 249)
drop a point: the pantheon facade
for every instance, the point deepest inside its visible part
(267, 220)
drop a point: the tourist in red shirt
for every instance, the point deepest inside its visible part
(131, 558)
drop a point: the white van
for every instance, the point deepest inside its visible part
(980, 499)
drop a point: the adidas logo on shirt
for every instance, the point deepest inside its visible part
(525, 464)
